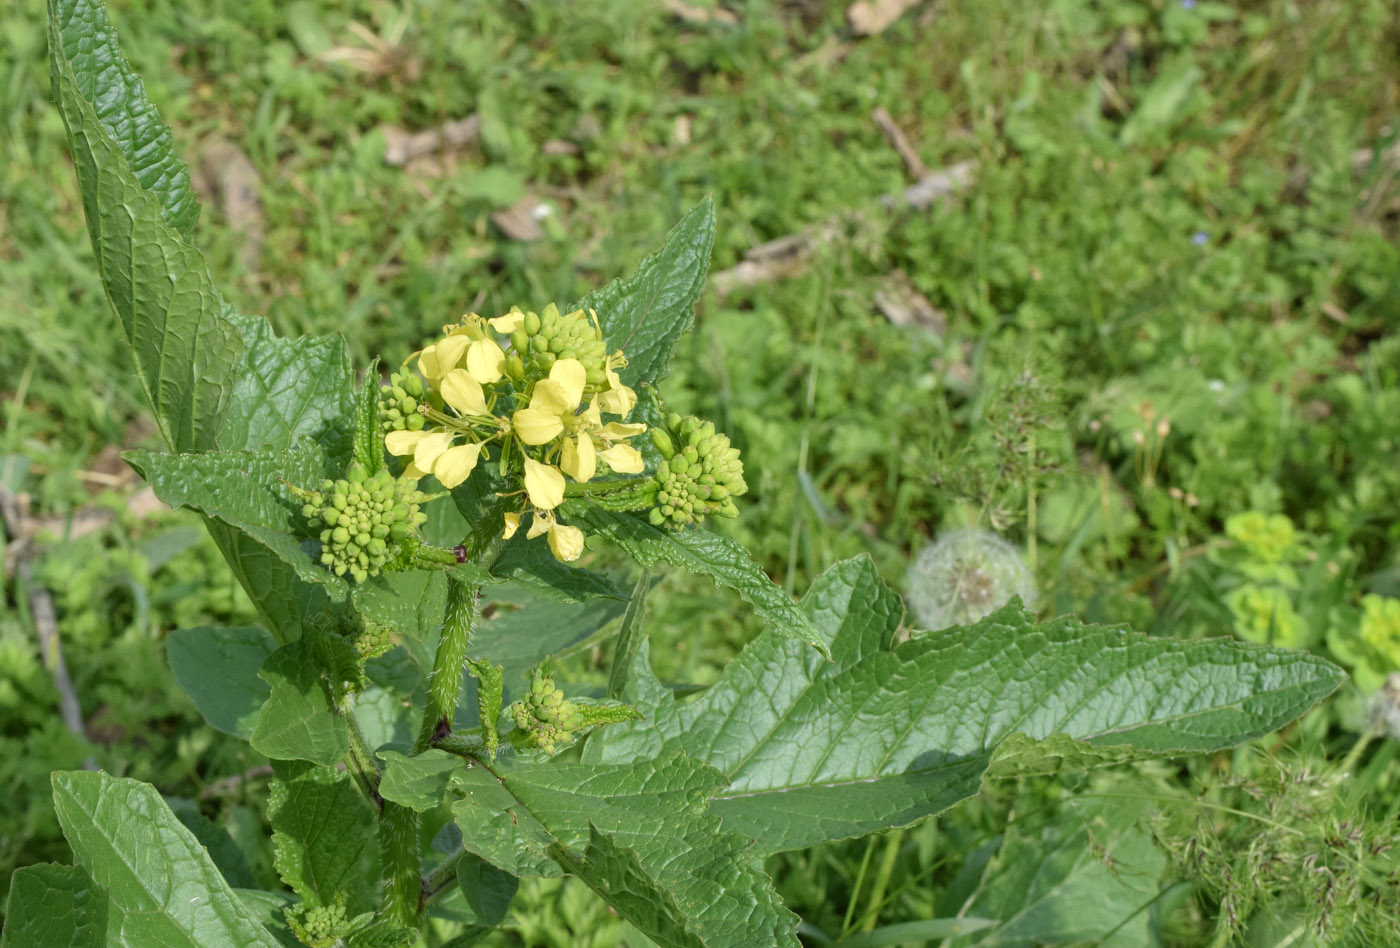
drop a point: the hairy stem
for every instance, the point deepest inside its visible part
(398, 850)
(446, 679)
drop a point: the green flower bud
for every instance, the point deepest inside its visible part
(543, 717)
(701, 478)
(366, 520)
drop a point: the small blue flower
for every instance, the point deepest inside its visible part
(1200, 238)
(1188, 4)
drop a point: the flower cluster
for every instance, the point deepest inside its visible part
(700, 473)
(546, 718)
(365, 520)
(320, 926)
(535, 403)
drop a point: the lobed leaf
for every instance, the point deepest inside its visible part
(162, 889)
(646, 314)
(883, 736)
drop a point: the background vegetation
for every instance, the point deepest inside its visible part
(1151, 340)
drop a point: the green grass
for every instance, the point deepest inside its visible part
(1169, 222)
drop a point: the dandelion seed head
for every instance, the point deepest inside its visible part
(967, 575)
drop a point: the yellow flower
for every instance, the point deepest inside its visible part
(433, 453)
(512, 520)
(442, 356)
(543, 484)
(553, 400)
(508, 323)
(618, 399)
(565, 542)
(460, 389)
(623, 459)
(578, 459)
(485, 361)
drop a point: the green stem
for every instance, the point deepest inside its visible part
(360, 759)
(440, 880)
(446, 680)
(398, 850)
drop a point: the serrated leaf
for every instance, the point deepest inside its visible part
(162, 889)
(323, 836)
(638, 835)
(707, 554)
(418, 782)
(531, 564)
(646, 314)
(88, 47)
(247, 490)
(630, 636)
(269, 909)
(298, 722)
(218, 669)
(52, 906)
(186, 353)
(289, 389)
(883, 736)
(368, 436)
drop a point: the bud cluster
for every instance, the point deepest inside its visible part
(319, 926)
(371, 640)
(401, 401)
(544, 716)
(700, 473)
(541, 340)
(365, 520)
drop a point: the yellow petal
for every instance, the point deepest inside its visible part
(543, 484)
(485, 361)
(579, 460)
(442, 357)
(572, 376)
(463, 392)
(400, 443)
(455, 465)
(508, 323)
(413, 471)
(552, 397)
(536, 425)
(512, 524)
(615, 431)
(430, 448)
(624, 459)
(618, 400)
(540, 524)
(566, 543)
(591, 416)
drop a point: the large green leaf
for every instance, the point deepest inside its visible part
(883, 736)
(323, 835)
(87, 46)
(298, 722)
(288, 389)
(54, 907)
(162, 889)
(646, 314)
(411, 603)
(705, 553)
(639, 835)
(187, 354)
(218, 669)
(521, 639)
(247, 490)
(530, 563)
